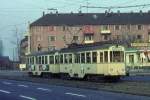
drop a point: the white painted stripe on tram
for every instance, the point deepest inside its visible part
(79, 95)
(26, 97)
(4, 91)
(44, 89)
(23, 85)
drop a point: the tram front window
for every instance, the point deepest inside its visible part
(116, 56)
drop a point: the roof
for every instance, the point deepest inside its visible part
(43, 53)
(87, 47)
(92, 19)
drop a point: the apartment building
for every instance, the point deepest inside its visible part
(56, 31)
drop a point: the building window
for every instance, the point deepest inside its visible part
(105, 27)
(51, 28)
(64, 28)
(139, 37)
(148, 36)
(88, 37)
(39, 48)
(139, 27)
(51, 38)
(75, 38)
(128, 27)
(117, 27)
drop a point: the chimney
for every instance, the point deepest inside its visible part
(106, 13)
(141, 12)
(132, 12)
(118, 12)
(80, 12)
(43, 13)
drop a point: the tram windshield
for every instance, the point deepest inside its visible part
(116, 56)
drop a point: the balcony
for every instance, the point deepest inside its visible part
(88, 41)
(105, 32)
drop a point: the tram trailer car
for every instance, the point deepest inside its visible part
(44, 64)
(137, 59)
(104, 60)
(83, 61)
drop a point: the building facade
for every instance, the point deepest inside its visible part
(56, 31)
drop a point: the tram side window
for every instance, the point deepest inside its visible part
(42, 59)
(45, 59)
(28, 60)
(65, 58)
(32, 60)
(56, 59)
(77, 58)
(70, 58)
(51, 59)
(94, 57)
(101, 57)
(106, 56)
(117, 56)
(131, 58)
(82, 57)
(61, 59)
(37, 60)
(88, 57)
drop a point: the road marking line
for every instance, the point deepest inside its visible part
(4, 91)
(23, 85)
(26, 97)
(76, 94)
(43, 89)
(7, 83)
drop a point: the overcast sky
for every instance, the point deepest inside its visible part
(15, 14)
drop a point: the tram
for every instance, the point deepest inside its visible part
(80, 61)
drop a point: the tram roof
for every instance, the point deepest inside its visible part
(43, 53)
(87, 47)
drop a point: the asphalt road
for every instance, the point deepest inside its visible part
(137, 78)
(19, 90)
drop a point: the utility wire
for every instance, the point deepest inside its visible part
(114, 7)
